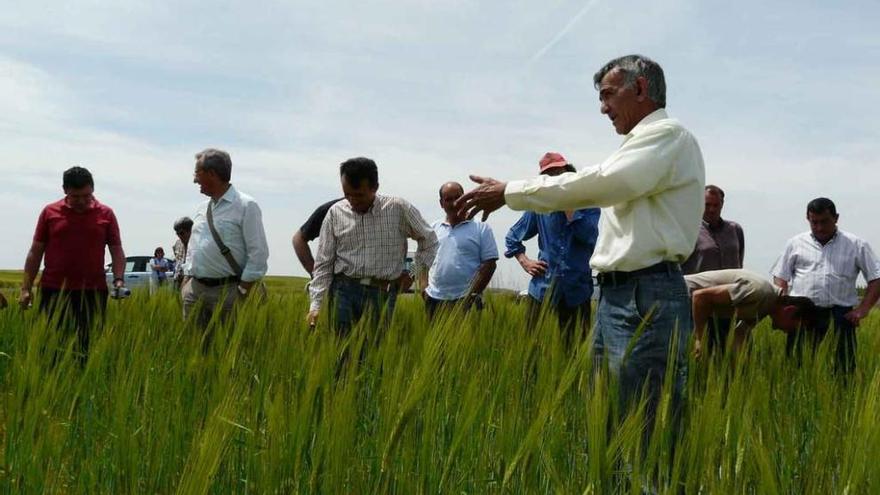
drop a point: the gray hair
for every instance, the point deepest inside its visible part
(633, 67)
(216, 161)
(183, 223)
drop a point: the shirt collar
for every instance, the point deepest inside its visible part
(92, 204)
(721, 225)
(833, 238)
(228, 196)
(444, 222)
(652, 117)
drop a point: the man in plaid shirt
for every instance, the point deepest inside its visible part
(362, 249)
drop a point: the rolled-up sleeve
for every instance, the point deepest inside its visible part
(256, 263)
(524, 229)
(419, 230)
(325, 259)
(642, 165)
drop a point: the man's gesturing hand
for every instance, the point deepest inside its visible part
(487, 197)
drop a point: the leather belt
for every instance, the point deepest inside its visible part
(216, 282)
(381, 284)
(619, 278)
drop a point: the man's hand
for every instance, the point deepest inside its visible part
(698, 349)
(404, 282)
(535, 268)
(119, 282)
(25, 299)
(312, 318)
(487, 197)
(855, 316)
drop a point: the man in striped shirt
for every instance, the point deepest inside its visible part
(362, 249)
(823, 265)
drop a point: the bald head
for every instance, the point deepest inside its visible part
(449, 192)
(451, 187)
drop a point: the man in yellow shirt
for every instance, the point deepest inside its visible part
(651, 194)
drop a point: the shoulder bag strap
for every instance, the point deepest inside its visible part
(224, 250)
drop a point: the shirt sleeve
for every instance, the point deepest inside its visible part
(742, 244)
(113, 237)
(419, 230)
(312, 228)
(256, 247)
(867, 262)
(784, 266)
(642, 165)
(488, 248)
(524, 229)
(325, 259)
(41, 232)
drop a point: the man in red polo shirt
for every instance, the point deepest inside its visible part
(72, 233)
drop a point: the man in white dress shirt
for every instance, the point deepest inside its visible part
(823, 265)
(651, 194)
(210, 276)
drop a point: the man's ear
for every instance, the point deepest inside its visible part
(641, 88)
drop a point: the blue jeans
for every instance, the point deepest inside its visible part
(351, 301)
(657, 305)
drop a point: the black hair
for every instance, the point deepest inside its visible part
(821, 205)
(183, 223)
(360, 169)
(805, 309)
(715, 190)
(77, 178)
(156, 252)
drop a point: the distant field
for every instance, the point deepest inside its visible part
(10, 281)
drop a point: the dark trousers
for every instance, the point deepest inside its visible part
(75, 311)
(574, 321)
(718, 330)
(437, 306)
(845, 333)
(351, 301)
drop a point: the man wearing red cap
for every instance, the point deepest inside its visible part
(561, 276)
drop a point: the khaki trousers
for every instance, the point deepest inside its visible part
(200, 301)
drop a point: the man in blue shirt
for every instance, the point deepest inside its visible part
(565, 244)
(465, 258)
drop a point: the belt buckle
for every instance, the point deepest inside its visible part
(365, 281)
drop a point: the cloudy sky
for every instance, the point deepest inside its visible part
(783, 98)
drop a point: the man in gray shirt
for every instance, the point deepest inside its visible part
(720, 246)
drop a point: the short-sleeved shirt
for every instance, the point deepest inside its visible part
(826, 273)
(462, 249)
(751, 294)
(75, 244)
(312, 228)
(718, 248)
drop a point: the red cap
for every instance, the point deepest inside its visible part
(552, 160)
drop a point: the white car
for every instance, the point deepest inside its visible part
(137, 272)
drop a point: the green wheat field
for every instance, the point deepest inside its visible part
(475, 403)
